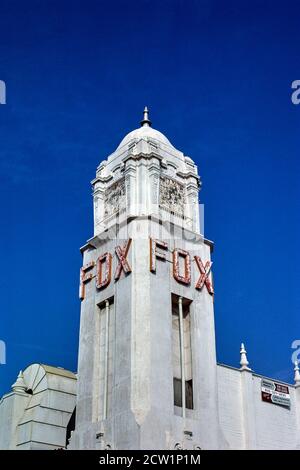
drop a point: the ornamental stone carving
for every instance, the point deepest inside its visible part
(114, 198)
(172, 195)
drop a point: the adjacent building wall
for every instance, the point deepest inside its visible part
(247, 421)
(37, 416)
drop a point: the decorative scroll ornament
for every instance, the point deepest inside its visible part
(123, 264)
(186, 277)
(104, 260)
(204, 276)
(178, 446)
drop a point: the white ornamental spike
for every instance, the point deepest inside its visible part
(297, 375)
(244, 362)
(19, 385)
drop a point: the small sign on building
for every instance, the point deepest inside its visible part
(273, 392)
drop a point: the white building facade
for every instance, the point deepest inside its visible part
(36, 413)
(147, 371)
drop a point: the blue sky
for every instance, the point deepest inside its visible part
(217, 78)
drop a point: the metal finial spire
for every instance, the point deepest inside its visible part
(297, 375)
(146, 121)
(244, 361)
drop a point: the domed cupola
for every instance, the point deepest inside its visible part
(146, 176)
(145, 132)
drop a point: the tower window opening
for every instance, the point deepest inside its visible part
(182, 353)
(104, 347)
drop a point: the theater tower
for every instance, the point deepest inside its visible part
(147, 373)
